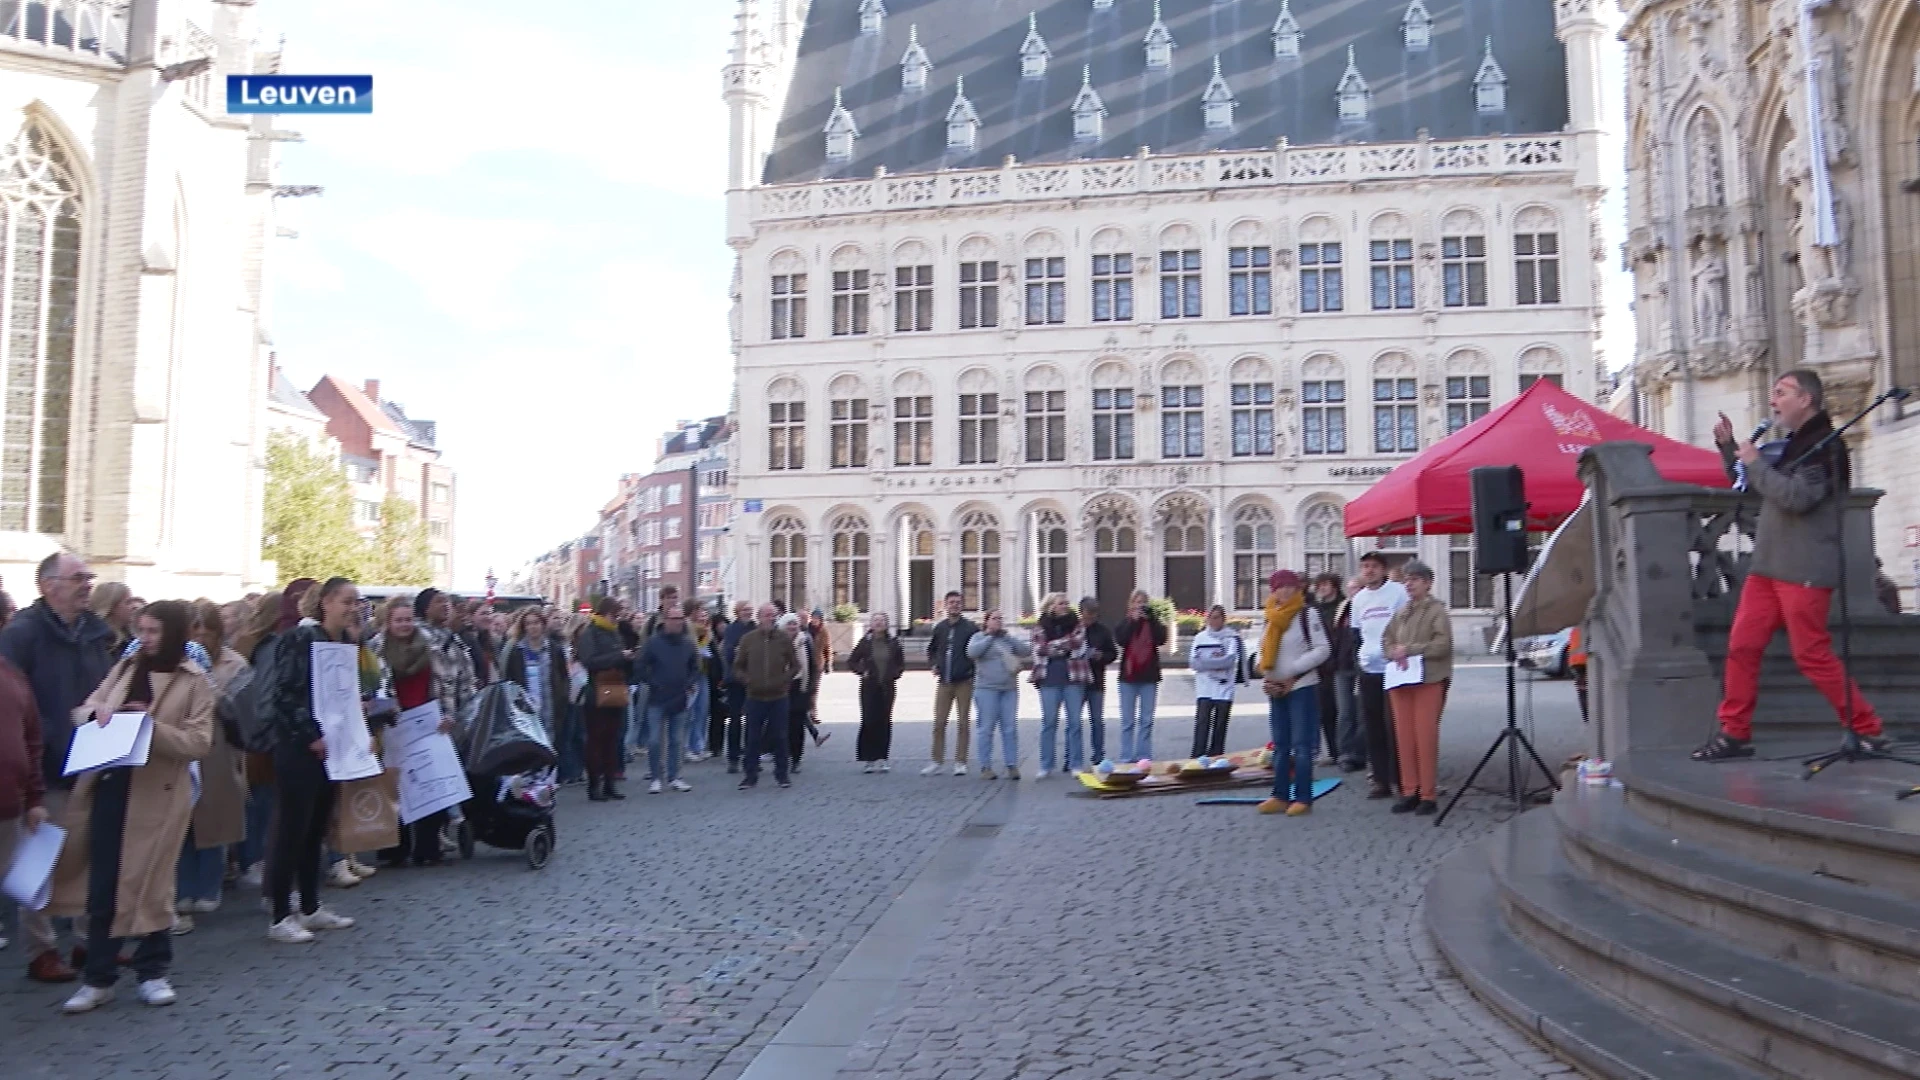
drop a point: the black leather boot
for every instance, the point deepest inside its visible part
(611, 791)
(594, 787)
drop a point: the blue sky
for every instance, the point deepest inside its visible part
(526, 240)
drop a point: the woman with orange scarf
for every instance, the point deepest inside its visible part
(1292, 649)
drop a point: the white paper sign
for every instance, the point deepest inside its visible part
(123, 742)
(29, 880)
(431, 778)
(336, 708)
(1411, 675)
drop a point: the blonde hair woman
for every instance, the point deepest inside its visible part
(115, 604)
(1063, 668)
(219, 818)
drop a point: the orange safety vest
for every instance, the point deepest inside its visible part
(1576, 649)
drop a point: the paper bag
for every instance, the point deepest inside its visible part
(366, 814)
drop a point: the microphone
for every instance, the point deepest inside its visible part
(1740, 467)
(1899, 393)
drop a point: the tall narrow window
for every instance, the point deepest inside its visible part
(913, 431)
(1326, 541)
(980, 562)
(1250, 280)
(1183, 422)
(1113, 425)
(1050, 553)
(852, 562)
(1463, 270)
(1392, 268)
(1113, 288)
(1555, 378)
(787, 562)
(40, 244)
(850, 298)
(1180, 284)
(1320, 286)
(912, 299)
(1046, 291)
(786, 435)
(1466, 589)
(979, 295)
(979, 430)
(1046, 425)
(1256, 554)
(847, 423)
(1396, 416)
(1469, 397)
(789, 306)
(1323, 416)
(1253, 419)
(1536, 268)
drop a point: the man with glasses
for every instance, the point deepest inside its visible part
(64, 650)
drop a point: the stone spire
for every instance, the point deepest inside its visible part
(1159, 43)
(1416, 26)
(1286, 32)
(1217, 103)
(1490, 84)
(963, 123)
(1034, 53)
(873, 16)
(1352, 93)
(914, 65)
(841, 132)
(1089, 112)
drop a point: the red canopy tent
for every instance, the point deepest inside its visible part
(1543, 431)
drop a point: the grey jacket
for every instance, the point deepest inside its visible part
(1799, 527)
(996, 661)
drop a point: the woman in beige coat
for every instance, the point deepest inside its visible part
(1421, 630)
(125, 826)
(220, 817)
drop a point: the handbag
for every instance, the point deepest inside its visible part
(610, 690)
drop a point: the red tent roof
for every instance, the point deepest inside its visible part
(1543, 431)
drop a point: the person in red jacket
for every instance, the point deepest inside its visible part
(22, 787)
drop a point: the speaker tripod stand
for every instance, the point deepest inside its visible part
(1512, 737)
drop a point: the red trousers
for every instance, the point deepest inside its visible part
(1765, 606)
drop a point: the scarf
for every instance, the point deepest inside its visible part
(1057, 638)
(603, 623)
(406, 656)
(1279, 618)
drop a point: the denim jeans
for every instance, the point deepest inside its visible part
(1096, 696)
(639, 727)
(572, 746)
(697, 716)
(1052, 700)
(1137, 701)
(1293, 723)
(260, 803)
(736, 722)
(766, 733)
(1352, 732)
(200, 872)
(668, 731)
(996, 709)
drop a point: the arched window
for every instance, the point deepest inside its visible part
(787, 562)
(1469, 388)
(1256, 555)
(40, 286)
(852, 555)
(1326, 541)
(1050, 551)
(786, 426)
(1115, 540)
(980, 561)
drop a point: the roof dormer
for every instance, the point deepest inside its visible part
(1034, 53)
(1490, 84)
(1353, 94)
(963, 123)
(873, 16)
(1217, 103)
(1416, 27)
(1286, 32)
(914, 65)
(842, 132)
(1159, 43)
(1089, 112)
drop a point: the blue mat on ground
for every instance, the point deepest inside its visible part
(1320, 789)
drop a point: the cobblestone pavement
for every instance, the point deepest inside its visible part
(674, 935)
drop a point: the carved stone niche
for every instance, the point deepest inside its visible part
(1644, 244)
(1707, 223)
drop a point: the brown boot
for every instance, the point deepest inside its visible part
(49, 968)
(594, 789)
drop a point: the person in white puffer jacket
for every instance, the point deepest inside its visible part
(1219, 661)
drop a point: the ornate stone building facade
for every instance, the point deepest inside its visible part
(1738, 116)
(1132, 294)
(134, 221)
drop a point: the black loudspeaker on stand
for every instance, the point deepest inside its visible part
(1500, 547)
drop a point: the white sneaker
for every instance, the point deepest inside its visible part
(653, 788)
(182, 925)
(205, 907)
(157, 992)
(866, 767)
(932, 769)
(1041, 774)
(959, 768)
(359, 869)
(288, 931)
(886, 766)
(680, 785)
(322, 919)
(255, 877)
(88, 998)
(341, 878)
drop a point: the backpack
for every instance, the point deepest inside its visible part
(244, 704)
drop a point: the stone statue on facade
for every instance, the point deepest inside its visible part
(1710, 297)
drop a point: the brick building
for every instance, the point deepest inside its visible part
(388, 454)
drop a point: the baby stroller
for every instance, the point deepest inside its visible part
(509, 761)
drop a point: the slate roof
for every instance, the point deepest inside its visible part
(420, 433)
(289, 397)
(1032, 119)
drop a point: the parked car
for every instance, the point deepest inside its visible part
(1545, 653)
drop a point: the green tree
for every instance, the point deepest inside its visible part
(307, 523)
(398, 553)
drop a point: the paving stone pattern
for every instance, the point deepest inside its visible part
(674, 935)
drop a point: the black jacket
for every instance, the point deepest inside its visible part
(883, 661)
(63, 663)
(290, 718)
(947, 650)
(554, 661)
(1159, 631)
(1337, 617)
(601, 650)
(1105, 651)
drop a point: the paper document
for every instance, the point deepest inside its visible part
(336, 708)
(1411, 675)
(431, 778)
(124, 742)
(29, 880)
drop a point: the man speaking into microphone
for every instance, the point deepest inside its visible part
(1794, 569)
